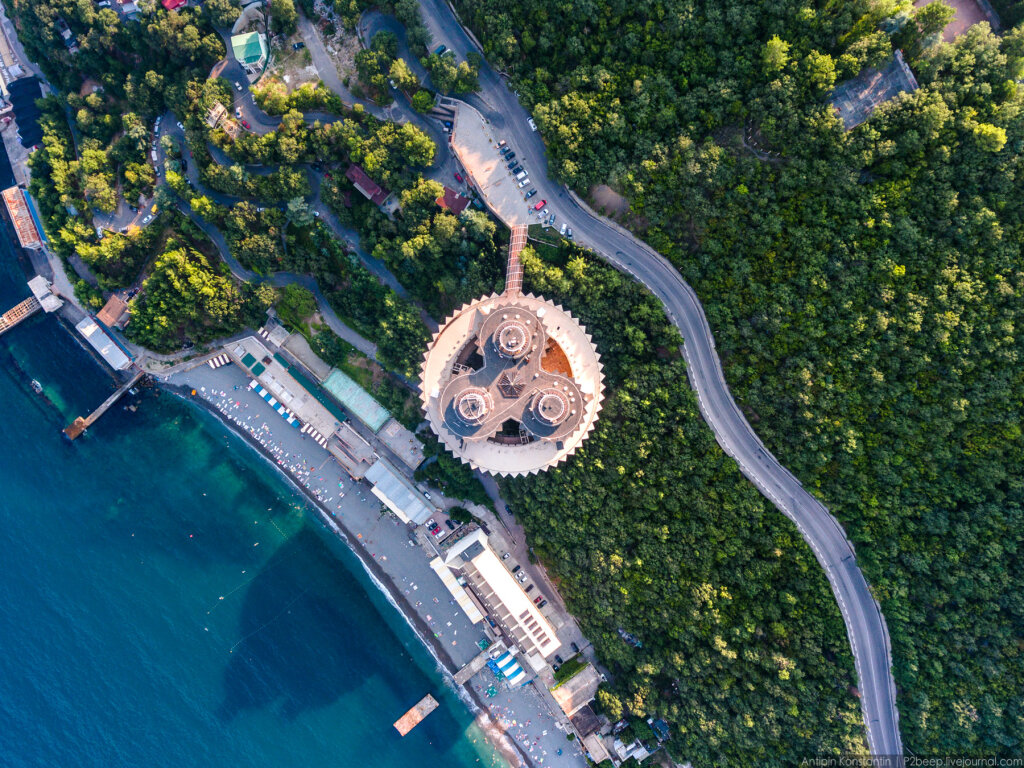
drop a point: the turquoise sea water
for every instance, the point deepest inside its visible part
(167, 600)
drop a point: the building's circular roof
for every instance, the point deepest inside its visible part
(512, 384)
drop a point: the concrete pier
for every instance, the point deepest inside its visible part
(475, 665)
(79, 425)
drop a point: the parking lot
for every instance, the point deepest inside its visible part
(477, 149)
(500, 170)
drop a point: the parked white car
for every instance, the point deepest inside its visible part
(533, 125)
(523, 183)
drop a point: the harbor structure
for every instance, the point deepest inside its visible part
(42, 298)
(415, 715)
(42, 290)
(20, 311)
(79, 425)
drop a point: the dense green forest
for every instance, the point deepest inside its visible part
(444, 260)
(651, 530)
(184, 297)
(148, 62)
(133, 71)
(864, 288)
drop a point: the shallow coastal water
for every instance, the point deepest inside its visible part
(166, 599)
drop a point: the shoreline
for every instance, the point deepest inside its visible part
(509, 749)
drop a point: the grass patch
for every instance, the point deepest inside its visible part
(571, 667)
(547, 243)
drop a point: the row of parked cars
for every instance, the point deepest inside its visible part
(514, 165)
(522, 176)
(520, 575)
(436, 530)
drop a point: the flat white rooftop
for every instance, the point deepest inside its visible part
(398, 494)
(102, 343)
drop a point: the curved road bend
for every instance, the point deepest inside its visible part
(865, 625)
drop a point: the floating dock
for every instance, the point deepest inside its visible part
(414, 716)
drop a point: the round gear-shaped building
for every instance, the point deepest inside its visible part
(512, 384)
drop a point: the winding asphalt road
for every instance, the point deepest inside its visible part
(861, 613)
(865, 625)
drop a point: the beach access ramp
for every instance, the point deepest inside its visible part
(414, 716)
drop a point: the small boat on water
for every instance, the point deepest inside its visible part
(37, 387)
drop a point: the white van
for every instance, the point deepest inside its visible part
(521, 175)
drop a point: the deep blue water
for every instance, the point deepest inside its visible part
(167, 600)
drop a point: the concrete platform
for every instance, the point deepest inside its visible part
(477, 149)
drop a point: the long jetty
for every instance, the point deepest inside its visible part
(19, 312)
(79, 425)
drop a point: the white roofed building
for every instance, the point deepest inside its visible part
(398, 494)
(42, 289)
(100, 340)
(503, 597)
(512, 384)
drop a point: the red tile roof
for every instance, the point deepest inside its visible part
(367, 186)
(112, 311)
(453, 201)
(24, 226)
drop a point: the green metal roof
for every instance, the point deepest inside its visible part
(258, 369)
(313, 389)
(249, 48)
(356, 399)
(248, 360)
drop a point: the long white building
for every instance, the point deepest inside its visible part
(503, 598)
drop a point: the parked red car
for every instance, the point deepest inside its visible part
(246, 125)
(540, 205)
(458, 177)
